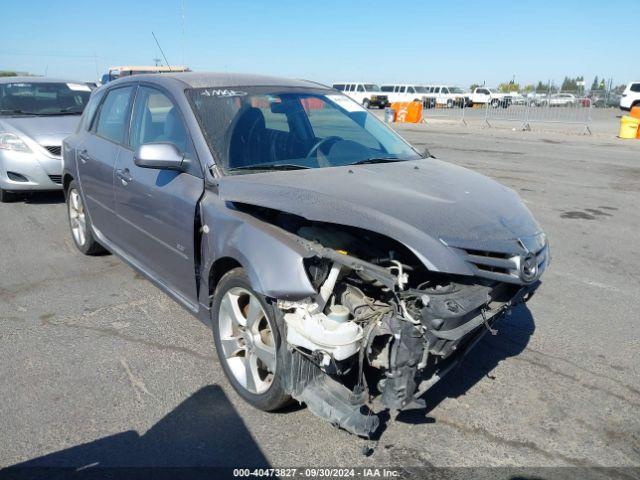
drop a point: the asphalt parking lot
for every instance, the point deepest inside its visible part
(97, 365)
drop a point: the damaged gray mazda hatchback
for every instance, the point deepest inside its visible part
(335, 264)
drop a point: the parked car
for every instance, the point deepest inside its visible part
(630, 97)
(536, 99)
(127, 70)
(562, 100)
(405, 92)
(322, 248)
(517, 98)
(445, 95)
(490, 96)
(366, 94)
(36, 113)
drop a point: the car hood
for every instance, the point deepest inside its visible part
(45, 129)
(422, 204)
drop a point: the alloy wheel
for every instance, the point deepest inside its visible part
(77, 217)
(247, 341)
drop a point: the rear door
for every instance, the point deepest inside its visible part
(97, 156)
(157, 208)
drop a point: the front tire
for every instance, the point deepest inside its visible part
(80, 223)
(366, 103)
(247, 338)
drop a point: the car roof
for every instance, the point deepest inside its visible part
(26, 79)
(215, 79)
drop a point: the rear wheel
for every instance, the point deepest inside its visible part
(7, 197)
(80, 223)
(247, 338)
(366, 103)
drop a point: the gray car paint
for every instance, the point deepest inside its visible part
(417, 203)
(417, 207)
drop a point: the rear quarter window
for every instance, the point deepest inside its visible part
(90, 111)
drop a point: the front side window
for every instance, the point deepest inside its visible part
(112, 118)
(387, 88)
(157, 120)
(43, 98)
(635, 87)
(257, 128)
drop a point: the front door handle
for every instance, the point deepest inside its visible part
(83, 156)
(124, 176)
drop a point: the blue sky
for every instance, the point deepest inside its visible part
(427, 41)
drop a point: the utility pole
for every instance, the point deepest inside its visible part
(182, 24)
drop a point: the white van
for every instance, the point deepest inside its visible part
(366, 94)
(405, 92)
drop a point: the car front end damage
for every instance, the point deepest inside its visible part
(382, 328)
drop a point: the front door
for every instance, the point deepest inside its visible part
(156, 208)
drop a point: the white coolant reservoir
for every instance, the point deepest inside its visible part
(318, 332)
(338, 313)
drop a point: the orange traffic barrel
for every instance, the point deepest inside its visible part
(629, 127)
(635, 112)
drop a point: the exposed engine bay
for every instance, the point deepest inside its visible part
(382, 328)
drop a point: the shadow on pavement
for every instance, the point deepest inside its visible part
(514, 333)
(203, 431)
(42, 198)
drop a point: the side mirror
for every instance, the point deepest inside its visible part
(162, 156)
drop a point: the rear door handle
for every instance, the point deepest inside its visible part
(124, 176)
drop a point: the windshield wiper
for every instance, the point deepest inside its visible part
(269, 166)
(16, 111)
(64, 111)
(377, 160)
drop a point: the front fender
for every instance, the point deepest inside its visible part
(272, 259)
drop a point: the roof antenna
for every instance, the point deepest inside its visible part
(161, 51)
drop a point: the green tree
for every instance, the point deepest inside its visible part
(509, 87)
(528, 88)
(595, 84)
(473, 86)
(7, 74)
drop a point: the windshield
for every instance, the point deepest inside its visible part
(455, 90)
(24, 98)
(371, 87)
(257, 128)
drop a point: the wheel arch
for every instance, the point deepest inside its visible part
(218, 269)
(66, 181)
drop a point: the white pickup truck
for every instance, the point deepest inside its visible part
(490, 96)
(446, 95)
